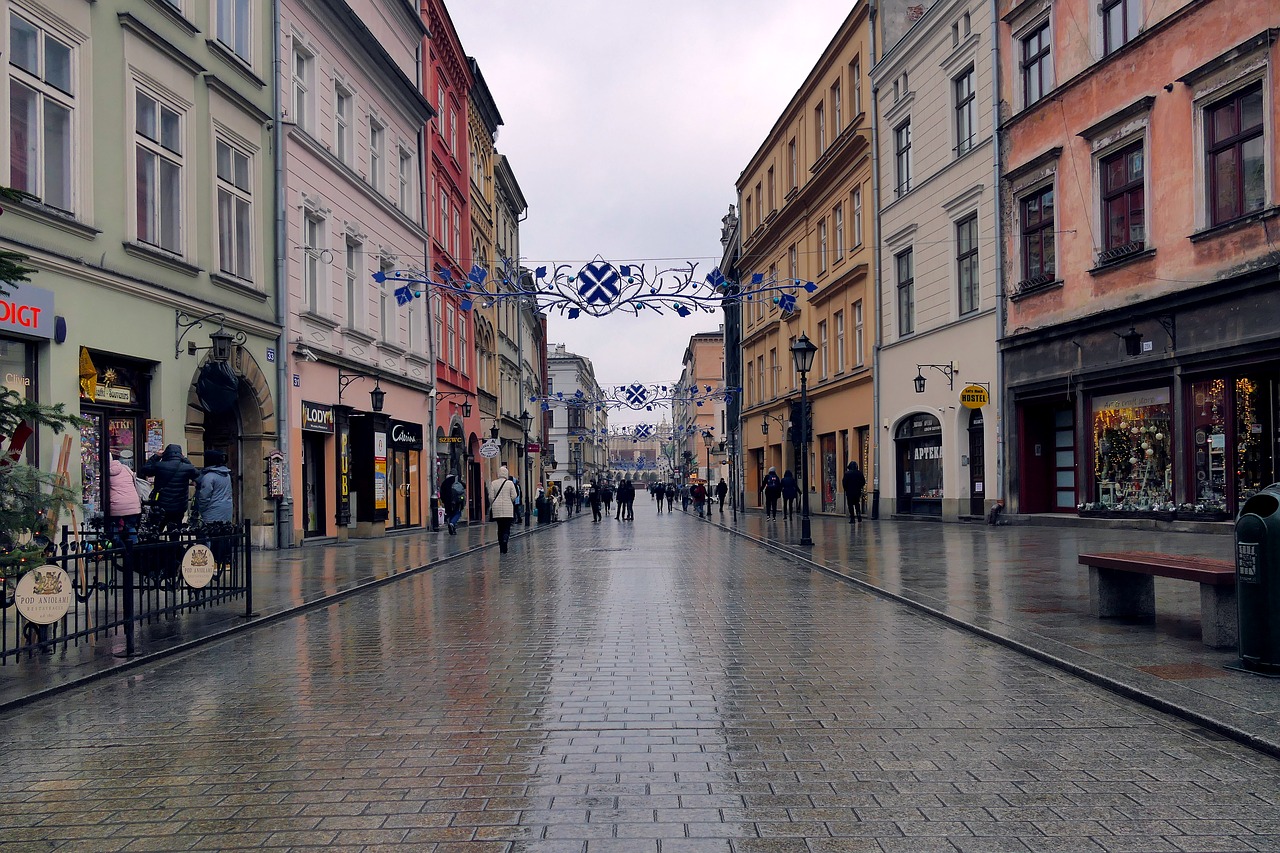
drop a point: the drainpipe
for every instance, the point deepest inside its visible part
(1000, 253)
(423, 219)
(284, 510)
(879, 278)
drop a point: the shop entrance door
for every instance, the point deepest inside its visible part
(313, 520)
(222, 432)
(977, 465)
(400, 488)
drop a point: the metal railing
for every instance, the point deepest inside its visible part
(118, 584)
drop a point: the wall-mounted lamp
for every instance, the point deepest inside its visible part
(764, 424)
(465, 397)
(948, 370)
(1132, 341)
(221, 341)
(377, 397)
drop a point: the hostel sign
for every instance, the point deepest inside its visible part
(974, 396)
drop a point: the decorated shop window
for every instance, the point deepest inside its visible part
(1133, 451)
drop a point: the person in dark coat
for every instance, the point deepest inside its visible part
(173, 475)
(698, 495)
(453, 497)
(213, 489)
(722, 489)
(660, 493)
(627, 500)
(854, 482)
(672, 488)
(772, 488)
(596, 498)
(790, 492)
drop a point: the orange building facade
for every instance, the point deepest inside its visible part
(1140, 197)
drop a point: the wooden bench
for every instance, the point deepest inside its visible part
(1123, 584)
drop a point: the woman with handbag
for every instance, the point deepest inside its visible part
(503, 496)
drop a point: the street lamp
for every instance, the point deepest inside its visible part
(525, 420)
(708, 439)
(802, 353)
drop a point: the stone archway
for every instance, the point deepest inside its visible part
(247, 433)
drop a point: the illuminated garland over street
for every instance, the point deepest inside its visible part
(637, 433)
(636, 396)
(599, 287)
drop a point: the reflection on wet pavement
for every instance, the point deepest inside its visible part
(656, 686)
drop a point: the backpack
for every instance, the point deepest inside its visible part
(459, 491)
(143, 488)
(772, 482)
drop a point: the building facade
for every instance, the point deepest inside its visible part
(805, 206)
(701, 427)
(141, 132)
(1140, 172)
(352, 177)
(938, 283)
(578, 434)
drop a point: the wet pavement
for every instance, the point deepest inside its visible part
(663, 686)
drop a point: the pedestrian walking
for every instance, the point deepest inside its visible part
(722, 489)
(570, 500)
(627, 500)
(698, 494)
(671, 497)
(854, 482)
(790, 493)
(597, 502)
(659, 493)
(772, 491)
(126, 503)
(503, 500)
(608, 498)
(453, 497)
(173, 475)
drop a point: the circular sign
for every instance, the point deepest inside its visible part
(489, 449)
(44, 595)
(198, 566)
(974, 396)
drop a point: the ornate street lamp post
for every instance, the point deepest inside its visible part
(525, 420)
(802, 353)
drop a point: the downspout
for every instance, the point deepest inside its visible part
(1000, 253)
(879, 279)
(284, 510)
(423, 201)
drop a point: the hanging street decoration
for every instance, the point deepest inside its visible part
(637, 433)
(599, 287)
(637, 396)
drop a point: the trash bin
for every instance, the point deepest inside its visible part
(1257, 582)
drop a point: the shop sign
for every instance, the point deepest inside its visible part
(534, 447)
(27, 310)
(928, 452)
(405, 435)
(974, 397)
(317, 418)
(113, 394)
(198, 566)
(344, 472)
(450, 439)
(490, 448)
(380, 470)
(44, 595)
(1134, 400)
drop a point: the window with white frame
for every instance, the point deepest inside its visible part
(966, 111)
(450, 320)
(304, 69)
(343, 108)
(235, 211)
(453, 131)
(377, 154)
(1235, 154)
(967, 263)
(313, 248)
(462, 340)
(857, 216)
(819, 131)
(1036, 64)
(793, 264)
(457, 231)
(1121, 23)
(858, 334)
(855, 84)
(443, 230)
(158, 163)
(823, 351)
(41, 108)
(413, 316)
(773, 372)
(233, 26)
(773, 191)
(437, 322)
(839, 321)
(405, 178)
(837, 110)
(791, 362)
(838, 223)
(387, 330)
(903, 263)
(792, 174)
(822, 245)
(354, 267)
(902, 157)
(760, 375)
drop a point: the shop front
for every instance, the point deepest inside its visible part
(405, 475)
(918, 445)
(115, 402)
(370, 500)
(318, 429)
(26, 322)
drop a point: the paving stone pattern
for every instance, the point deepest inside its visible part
(660, 686)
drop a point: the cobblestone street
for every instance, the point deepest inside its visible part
(661, 686)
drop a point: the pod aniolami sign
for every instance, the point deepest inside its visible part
(44, 595)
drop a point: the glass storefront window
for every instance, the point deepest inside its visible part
(1255, 425)
(1233, 421)
(1209, 455)
(1133, 450)
(919, 447)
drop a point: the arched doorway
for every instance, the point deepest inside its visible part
(919, 452)
(977, 464)
(244, 428)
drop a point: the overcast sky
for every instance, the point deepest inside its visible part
(626, 124)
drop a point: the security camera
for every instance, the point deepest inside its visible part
(308, 354)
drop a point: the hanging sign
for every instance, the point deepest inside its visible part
(490, 448)
(406, 436)
(317, 418)
(44, 595)
(974, 396)
(198, 566)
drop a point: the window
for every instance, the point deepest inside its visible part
(303, 71)
(1037, 237)
(40, 107)
(342, 101)
(414, 318)
(773, 372)
(437, 340)
(443, 230)
(1123, 202)
(376, 154)
(233, 26)
(819, 131)
(839, 319)
(457, 231)
(791, 160)
(1121, 21)
(453, 131)
(822, 245)
(906, 293)
(791, 342)
(312, 264)
(823, 350)
(406, 180)
(966, 111)
(158, 161)
(773, 194)
(462, 341)
(752, 399)
(760, 374)
(1037, 65)
(386, 313)
(759, 202)
(746, 211)
(902, 156)
(235, 206)
(855, 83)
(857, 216)
(440, 106)
(355, 306)
(1235, 150)
(449, 319)
(793, 266)
(838, 217)
(858, 334)
(837, 121)
(967, 263)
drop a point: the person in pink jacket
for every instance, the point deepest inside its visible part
(126, 506)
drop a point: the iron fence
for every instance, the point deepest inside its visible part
(118, 584)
